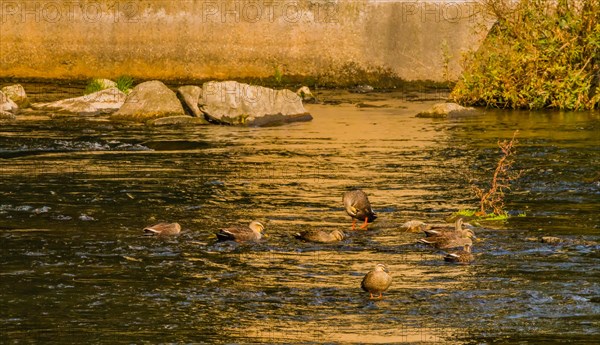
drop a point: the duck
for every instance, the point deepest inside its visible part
(251, 233)
(446, 238)
(445, 230)
(162, 229)
(377, 281)
(462, 257)
(449, 241)
(357, 206)
(320, 236)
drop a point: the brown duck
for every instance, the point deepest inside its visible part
(162, 229)
(462, 257)
(358, 207)
(320, 236)
(251, 233)
(458, 237)
(377, 281)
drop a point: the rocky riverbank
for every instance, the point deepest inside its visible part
(154, 103)
(210, 103)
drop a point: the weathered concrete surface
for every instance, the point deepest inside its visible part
(228, 39)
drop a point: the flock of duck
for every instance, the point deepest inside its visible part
(358, 207)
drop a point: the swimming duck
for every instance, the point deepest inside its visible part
(320, 236)
(449, 241)
(162, 229)
(463, 256)
(252, 232)
(445, 230)
(357, 206)
(446, 238)
(377, 281)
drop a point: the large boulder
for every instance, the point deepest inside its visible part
(234, 103)
(441, 110)
(7, 104)
(149, 100)
(104, 101)
(189, 96)
(17, 94)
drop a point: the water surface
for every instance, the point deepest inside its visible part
(76, 194)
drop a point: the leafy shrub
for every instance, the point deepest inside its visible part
(538, 54)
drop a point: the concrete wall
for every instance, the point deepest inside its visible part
(205, 39)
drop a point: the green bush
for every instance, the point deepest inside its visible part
(539, 54)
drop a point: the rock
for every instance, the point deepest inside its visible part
(105, 83)
(414, 226)
(441, 110)
(551, 240)
(178, 120)
(149, 100)
(362, 89)
(7, 104)
(305, 95)
(234, 103)
(104, 101)
(17, 94)
(5, 115)
(189, 96)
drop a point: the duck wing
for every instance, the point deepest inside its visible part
(238, 234)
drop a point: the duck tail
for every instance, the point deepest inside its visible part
(150, 232)
(451, 257)
(422, 240)
(223, 236)
(372, 217)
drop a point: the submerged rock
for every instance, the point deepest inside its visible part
(236, 103)
(178, 120)
(189, 96)
(362, 89)
(149, 100)
(5, 115)
(6, 104)
(104, 101)
(17, 94)
(551, 240)
(441, 110)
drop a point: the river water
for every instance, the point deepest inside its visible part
(76, 194)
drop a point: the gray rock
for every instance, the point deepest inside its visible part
(189, 96)
(7, 104)
(5, 115)
(149, 100)
(236, 103)
(551, 240)
(178, 120)
(105, 83)
(17, 94)
(441, 110)
(104, 101)
(306, 95)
